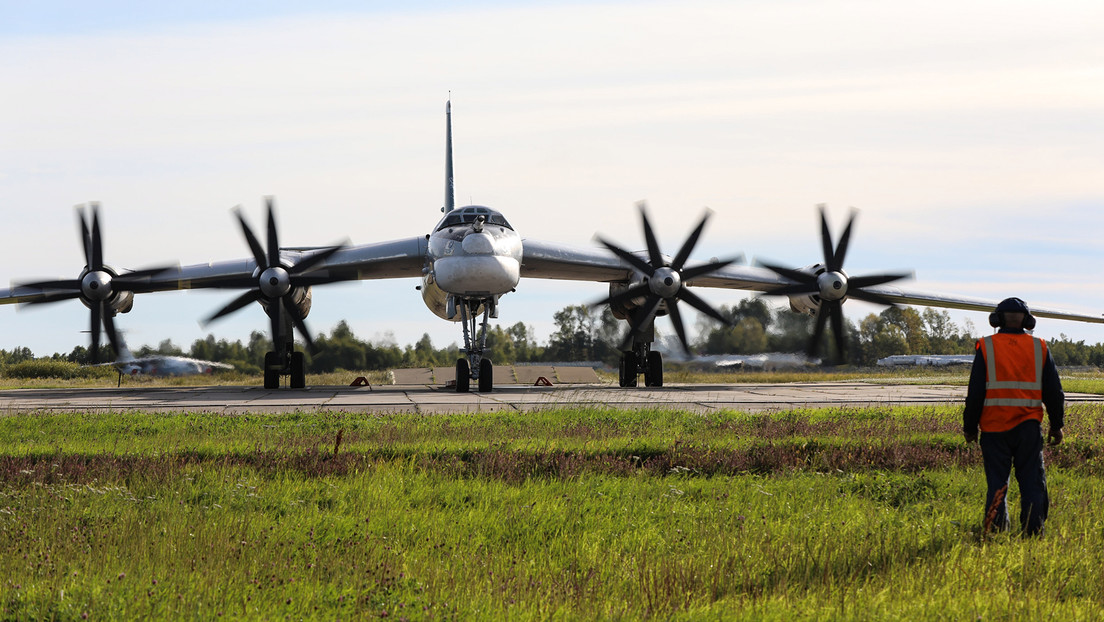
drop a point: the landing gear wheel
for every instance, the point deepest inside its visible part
(463, 376)
(298, 374)
(486, 376)
(653, 373)
(628, 370)
(272, 368)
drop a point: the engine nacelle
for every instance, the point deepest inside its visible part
(807, 304)
(623, 310)
(442, 303)
(300, 298)
(123, 302)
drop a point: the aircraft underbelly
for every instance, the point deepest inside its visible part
(469, 275)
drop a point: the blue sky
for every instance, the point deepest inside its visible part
(970, 135)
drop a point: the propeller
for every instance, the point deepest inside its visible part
(98, 286)
(663, 282)
(833, 286)
(274, 281)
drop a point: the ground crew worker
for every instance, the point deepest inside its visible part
(1013, 377)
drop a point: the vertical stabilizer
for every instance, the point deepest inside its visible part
(123, 355)
(450, 186)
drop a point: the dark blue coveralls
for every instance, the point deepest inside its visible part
(1021, 447)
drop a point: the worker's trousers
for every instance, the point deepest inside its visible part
(1021, 448)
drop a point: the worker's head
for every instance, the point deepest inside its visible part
(1012, 313)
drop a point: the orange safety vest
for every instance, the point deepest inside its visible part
(1013, 380)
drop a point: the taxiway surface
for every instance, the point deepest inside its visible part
(430, 400)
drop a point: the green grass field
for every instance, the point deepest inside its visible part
(573, 515)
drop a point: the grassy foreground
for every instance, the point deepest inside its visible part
(573, 514)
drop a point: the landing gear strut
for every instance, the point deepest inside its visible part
(474, 366)
(284, 361)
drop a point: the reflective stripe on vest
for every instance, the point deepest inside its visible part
(1013, 384)
(993, 385)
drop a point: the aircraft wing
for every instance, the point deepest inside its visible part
(971, 304)
(547, 260)
(381, 260)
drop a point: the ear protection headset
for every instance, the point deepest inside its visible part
(1011, 305)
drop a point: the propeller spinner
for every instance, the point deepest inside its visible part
(663, 282)
(274, 281)
(833, 286)
(98, 286)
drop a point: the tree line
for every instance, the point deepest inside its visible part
(586, 334)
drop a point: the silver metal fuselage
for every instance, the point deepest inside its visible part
(473, 254)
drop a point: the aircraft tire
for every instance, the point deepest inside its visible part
(628, 369)
(298, 372)
(486, 376)
(653, 374)
(272, 370)
(463, 376)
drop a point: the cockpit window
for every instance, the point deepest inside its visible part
(467, 216)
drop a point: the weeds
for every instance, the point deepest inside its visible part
(594, 514)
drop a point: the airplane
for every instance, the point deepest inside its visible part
(470, 259)
(160, 364)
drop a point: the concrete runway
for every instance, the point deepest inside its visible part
(430, 400)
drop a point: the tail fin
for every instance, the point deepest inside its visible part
(450, 187)
(123, 355)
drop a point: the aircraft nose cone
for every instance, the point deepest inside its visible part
(478, 244)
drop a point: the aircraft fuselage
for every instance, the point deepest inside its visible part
(473, 253)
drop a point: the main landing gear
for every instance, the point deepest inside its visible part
(641, 359)
(286, 362)
(636, 362)
(474, 366)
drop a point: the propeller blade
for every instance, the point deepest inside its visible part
(137, 281)
(654, 255)
(275, 310)
(791, 274)
(237, 282)
(310, 262)
(321, 277)
(254, 245)
(625, 296)
(86, 237)
(872, 297)
(97, 309)
(300, 325)
(109, 328)
(826, 243)
(273, 238)
(633, 260)
(859, 282)
(680, 330)
(690, 243)
(53, 297)
(236, 304)
(97, 240)
(837, 328)
(704, 269)
(818, 331)
(841, 248)
(73, 284)
(694, 301)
